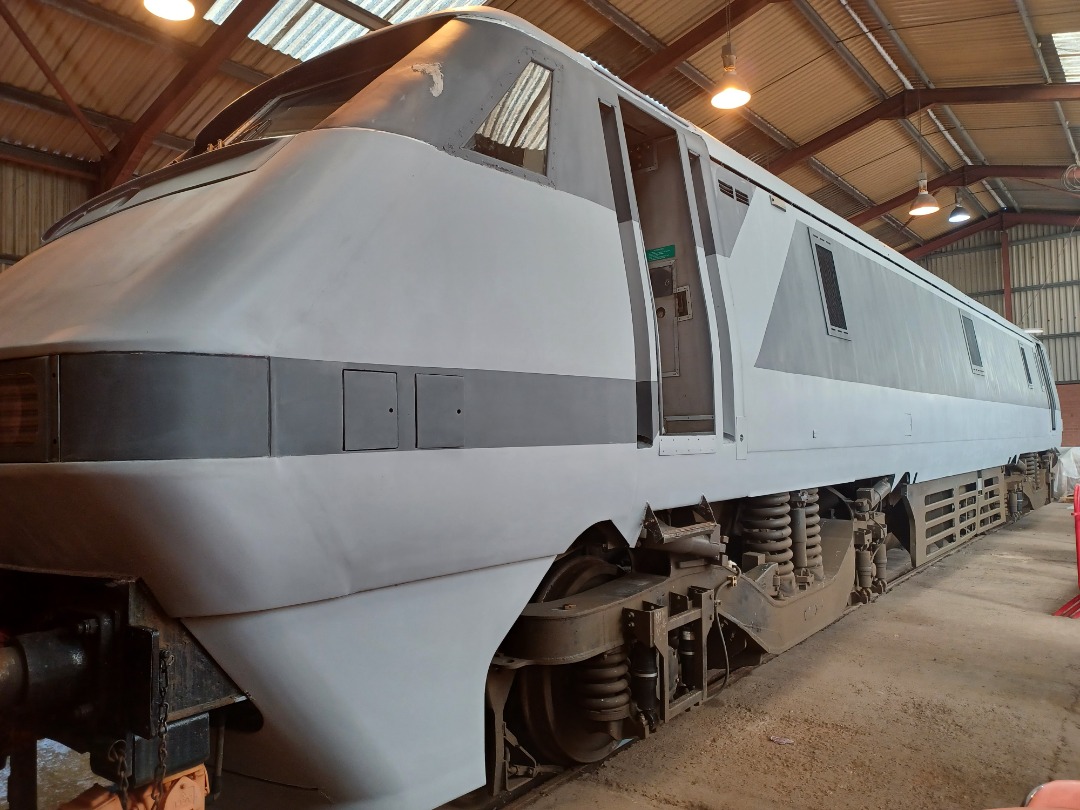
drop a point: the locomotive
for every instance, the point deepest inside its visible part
(452, 413)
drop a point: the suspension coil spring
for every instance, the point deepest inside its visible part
(1031, 463)
(765, 527)
(813, 534)
(603, 687)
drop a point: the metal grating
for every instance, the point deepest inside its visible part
(834, 304)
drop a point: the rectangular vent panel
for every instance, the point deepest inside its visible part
(830, 286)
(726, 189)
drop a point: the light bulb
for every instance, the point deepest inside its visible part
(171, 9)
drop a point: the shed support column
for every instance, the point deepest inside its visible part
(1006, 274)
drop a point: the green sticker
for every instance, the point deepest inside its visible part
(656, 254)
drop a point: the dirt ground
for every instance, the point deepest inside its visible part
(958, 689)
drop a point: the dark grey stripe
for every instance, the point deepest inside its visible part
(142, 406)
(499, 408)
(119, 407)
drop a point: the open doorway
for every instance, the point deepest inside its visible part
(660, 168)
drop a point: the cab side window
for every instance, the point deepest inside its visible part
(516, 131)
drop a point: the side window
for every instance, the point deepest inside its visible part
(1027, 368)
(829, 286)
(516, 131)
(974, 355)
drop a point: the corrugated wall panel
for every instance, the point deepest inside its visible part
(31, 201)
(1064, 354)
(973, 272)
(1055, 310)
(1045, 268)
(1049, 261)
(994, 301)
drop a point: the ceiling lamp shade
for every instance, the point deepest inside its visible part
(924, 202)
(959, 213)
(732, 92)
(171, 9)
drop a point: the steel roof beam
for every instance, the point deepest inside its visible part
(999, 221)
(702, 34)
(353, 12)
(191, 78)
(905, 51)
(857, 67)
(962, 177)
(149, 36)
(118, 126)
(1025, 17)
(908, 102)
(57, 164)
(53, 79)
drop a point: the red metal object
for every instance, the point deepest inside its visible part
(1071, 609)
(1076, 529)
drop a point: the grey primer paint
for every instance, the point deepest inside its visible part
(888, 317)
(148, 406)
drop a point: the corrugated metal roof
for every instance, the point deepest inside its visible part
(303, 28)
(31, 201)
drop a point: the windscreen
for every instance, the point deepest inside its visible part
(302, 110)
(301, 98)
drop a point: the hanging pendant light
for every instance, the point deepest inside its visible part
(732, 92)
(924, 202)
(959, 213)
(171, 9)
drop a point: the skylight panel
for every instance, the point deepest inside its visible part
(1068, 50)
(304, 28)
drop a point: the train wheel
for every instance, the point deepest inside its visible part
(550, 702)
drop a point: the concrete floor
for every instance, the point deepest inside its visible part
(958, 689)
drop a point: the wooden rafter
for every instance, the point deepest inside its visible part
(705, 32)
(191, 78)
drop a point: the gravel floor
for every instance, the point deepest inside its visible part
(958, 689)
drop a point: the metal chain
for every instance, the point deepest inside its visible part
(118, 754)
(165, 661)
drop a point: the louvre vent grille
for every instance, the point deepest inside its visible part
(834, 304)
(729, 190)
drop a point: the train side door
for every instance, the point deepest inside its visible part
(662, 184)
